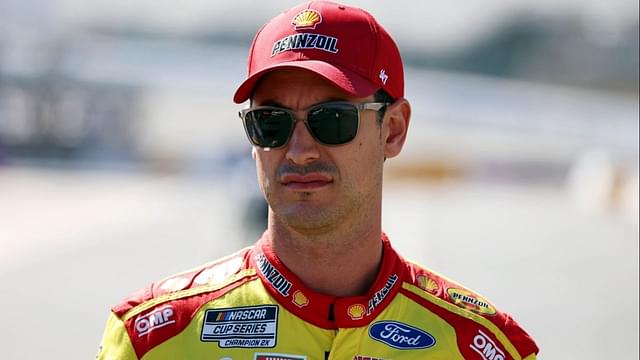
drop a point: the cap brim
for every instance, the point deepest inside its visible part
(345, 79)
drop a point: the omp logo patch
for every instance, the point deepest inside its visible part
(401, 336)
(154, 320)
(468, 300)
(360, 357)
(279, 357)
(241, 327)
(484, 346)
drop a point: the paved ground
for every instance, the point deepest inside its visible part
(74, 243)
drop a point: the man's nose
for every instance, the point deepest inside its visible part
(302, 148)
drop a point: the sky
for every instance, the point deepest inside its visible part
(435, 23)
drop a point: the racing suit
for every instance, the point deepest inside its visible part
(250, 306)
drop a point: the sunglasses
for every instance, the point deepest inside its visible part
(330, 123)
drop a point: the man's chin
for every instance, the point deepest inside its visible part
(308, 217)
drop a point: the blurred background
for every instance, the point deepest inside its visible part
(122, 159)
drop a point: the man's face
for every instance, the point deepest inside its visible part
(310, 187)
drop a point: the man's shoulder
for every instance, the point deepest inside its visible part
(435, 285)
(465, 309)
(214, 278)
(164, 309)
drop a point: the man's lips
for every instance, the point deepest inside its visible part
(306, 181)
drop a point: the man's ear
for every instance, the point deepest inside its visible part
(253, 152)
(395, 127)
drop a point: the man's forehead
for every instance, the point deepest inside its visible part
(292, 75)
(279, 84)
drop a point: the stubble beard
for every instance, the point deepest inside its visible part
(307, 216)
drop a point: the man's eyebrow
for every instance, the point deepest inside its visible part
(273, 103)
(277, 104)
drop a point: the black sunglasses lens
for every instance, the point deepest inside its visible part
(268, 127)
(333, 124)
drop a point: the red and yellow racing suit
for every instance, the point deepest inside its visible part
(250, 306)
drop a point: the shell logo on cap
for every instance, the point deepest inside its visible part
(307, 19)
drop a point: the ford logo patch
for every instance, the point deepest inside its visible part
(401, 336)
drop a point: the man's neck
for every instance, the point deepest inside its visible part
(338, 263)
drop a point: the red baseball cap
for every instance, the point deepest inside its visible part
(343, 44)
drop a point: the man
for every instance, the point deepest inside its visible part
(327, 109)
